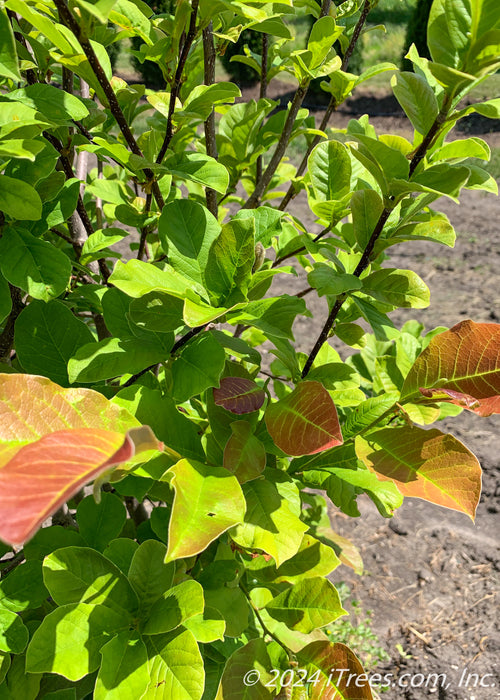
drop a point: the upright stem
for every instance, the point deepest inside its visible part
(379, 227)
(67, 18)
(332, 105)
(176, 85)
(210, 142)
(262, 94)
(261, 186)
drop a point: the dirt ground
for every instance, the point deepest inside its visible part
(431, 575)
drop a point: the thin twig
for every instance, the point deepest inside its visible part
(209, 58)
(176, 85)
(67, 18)
(379, 227)
(332, 105)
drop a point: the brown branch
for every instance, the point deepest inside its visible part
(279, 152)
(262, 95)
(379, 227)
(7, 335)
(209, 57)
(176, 85)
(332, 105)
(71, 23)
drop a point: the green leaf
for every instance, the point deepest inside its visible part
(5, 299)
(269, 523)
(82, 575)
(329, 166)
(9, 67)
(187, 230)
(99, 523)
(402, 288)
(229, 266)
(149, 575)
(113, 357)
(326, 280)
(13, 634)
(244, 454)
(174, 607)
(207, 627)
(19, 200)
(197, 167)
(273, 316)
(268, 223)
(251, 657)
(46, 336)
(55, 104)
(308, 604)
(124, 672)
(198, 367)
(23, 588)
(70, 638)
(417, 98)
(208, 501)
(175, 667)
(157, 311)
(366, 206)
(161, 414)
(35, 266)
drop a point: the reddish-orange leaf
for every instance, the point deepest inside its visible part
(239, 395)
(341, 675)
(425, 464)
(52, 442)
(461, 366)
(305, 421)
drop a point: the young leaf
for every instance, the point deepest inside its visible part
(77, 633)
(208, 501)
(124, 672)
(338, 666)
(425, 464)
(244, 454)
(461, 365)
(308, 604)
(82, 575)
(239, 395)
(417, 98)
(305, 421)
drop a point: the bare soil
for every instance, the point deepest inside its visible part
(431, 575)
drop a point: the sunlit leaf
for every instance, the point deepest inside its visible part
(461, 365)
(305, 421)
(425, 464)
